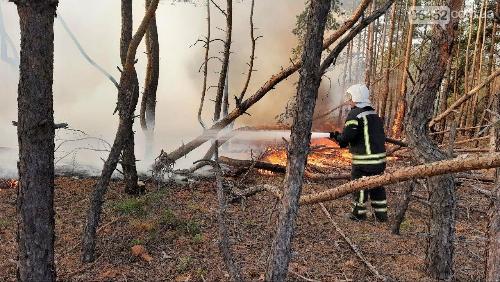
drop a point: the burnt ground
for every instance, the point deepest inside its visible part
(177, 225)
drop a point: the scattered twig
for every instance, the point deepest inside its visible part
(358, 253)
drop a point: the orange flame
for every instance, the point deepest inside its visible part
(324, 153)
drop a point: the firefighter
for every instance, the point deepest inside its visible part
(364, 134)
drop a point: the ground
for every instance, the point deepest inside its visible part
(177, 226)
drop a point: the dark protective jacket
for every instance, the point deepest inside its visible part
(364, 134)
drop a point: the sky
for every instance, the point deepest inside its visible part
(85, 99)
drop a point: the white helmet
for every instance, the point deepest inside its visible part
(359, 93)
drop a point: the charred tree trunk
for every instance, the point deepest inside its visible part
(148, 103)
(128, 154)
(35, 133)
(310, 78)
(225, 60)
(439, 258)
(127, 83)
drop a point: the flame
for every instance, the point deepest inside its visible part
(324, 153)
(9, 183)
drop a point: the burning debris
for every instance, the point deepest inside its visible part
(8, 183)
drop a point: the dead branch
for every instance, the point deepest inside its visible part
(420, 171)
(165, 159)
(329, 112)
(56, 125)
(257, 164)
(332, 57)
(224, 244)
(252, 56)
(205, 68)
(355, 248)
(464, 98)
(225, 61)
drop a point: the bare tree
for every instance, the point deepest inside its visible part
(442, 188)
(127, 84)
(225, 60)
(35, 131)
(148, 103)
(310, 78)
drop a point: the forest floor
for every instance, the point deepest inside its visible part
(177, 225)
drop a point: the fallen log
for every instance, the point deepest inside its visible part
(257, 164)
(464, 98)
(427, 170)
(165, 159)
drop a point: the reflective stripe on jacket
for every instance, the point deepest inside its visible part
(364, 134)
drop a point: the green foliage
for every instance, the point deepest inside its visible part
(190, 227)
(184, 263)
(301, 24)
(130, 206)
(136, 242)
(405, 225)
(198, 238)
(3, 223)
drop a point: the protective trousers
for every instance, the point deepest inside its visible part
(377, 195)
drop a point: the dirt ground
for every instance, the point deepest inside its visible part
(177, 226)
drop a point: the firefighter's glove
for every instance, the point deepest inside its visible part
(335, 135)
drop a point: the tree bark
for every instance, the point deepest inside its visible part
(168, 158)
(493, 249)
(225, 60)
(125, 123)
(148, 103)
(474, 162)
(35, 131)
(310, 78)
(440, 250)
(128, 155)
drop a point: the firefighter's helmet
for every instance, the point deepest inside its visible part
(358, 93)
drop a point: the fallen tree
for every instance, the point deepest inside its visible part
(256, 164)
(165, 159)
(407, 173)
(464, 98)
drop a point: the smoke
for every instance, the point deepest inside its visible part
(85, 99)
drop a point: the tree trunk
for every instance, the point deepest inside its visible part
(128, 155)
(385, 91)
(127, 83)
(348, 58)
(489, 70)
(493, 249)
(397, 128)
(369, 51)
(148, 103)
(35, 131)
(310, 77)
(439, 258)
(225, 60)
